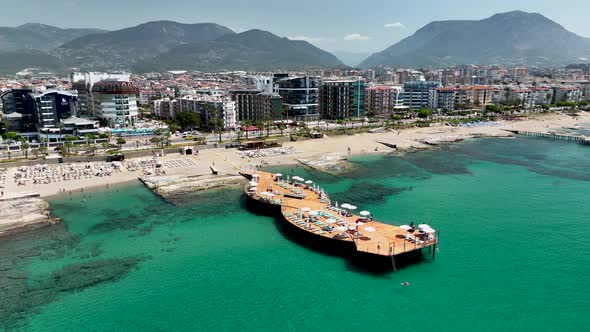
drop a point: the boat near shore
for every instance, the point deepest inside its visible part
(306, 215)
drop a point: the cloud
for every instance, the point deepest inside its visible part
(395, 25)
(307, 38)
(356, 36)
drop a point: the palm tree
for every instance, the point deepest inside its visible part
(268, 121)
(66, 148)
(120, 142)
(246, 123)
(35, 153)
(281, 128)
(24, 145)
(60, 125)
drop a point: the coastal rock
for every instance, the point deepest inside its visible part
(333, 164)
(170, 185)
(24, 213)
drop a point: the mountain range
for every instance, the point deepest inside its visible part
(254, 50)
(507, 38)
(39, 37)
(122, 48)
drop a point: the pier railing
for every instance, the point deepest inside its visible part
(559, 137)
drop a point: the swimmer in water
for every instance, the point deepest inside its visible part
(405, 283)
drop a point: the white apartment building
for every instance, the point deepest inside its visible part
(115, 102)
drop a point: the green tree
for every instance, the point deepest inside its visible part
(424, 113)
(11, 135)
(187, 120)
(25, 146)
(91, 149)
(493, 108)
(341, 122)
(245, 124)
(60, 125)
(43, 147)
(120, 142)
(215, 118)
(67, 148)
(35, 153)
(284, 111)
(281, 127)
(268, 124)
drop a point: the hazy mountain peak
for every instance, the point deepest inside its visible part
(515, 37)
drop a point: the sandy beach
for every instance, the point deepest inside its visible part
(229, 162)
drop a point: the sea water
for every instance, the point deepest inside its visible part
(513, 217)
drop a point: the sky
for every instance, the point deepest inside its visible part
(334, 25)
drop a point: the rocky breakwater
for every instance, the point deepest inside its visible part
(171, 185)
(24, 213)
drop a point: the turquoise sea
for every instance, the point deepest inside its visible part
(514, 224)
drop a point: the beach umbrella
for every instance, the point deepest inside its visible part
(252, 189)
(308, 182)
(405, 227)
(352, 207)
(253, 183)
(331, 221)
(278, 175)
(345, 206)
(365, 213)
(423, 226)
(313, 213)
(342, 228)
(369, 229)
(429, 230)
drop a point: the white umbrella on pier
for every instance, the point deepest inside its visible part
(365, 213)
(429, 230)
(345, 205)
(279, 175)
(423, 226)
(405, 227)
(253, 183)
(308, 182)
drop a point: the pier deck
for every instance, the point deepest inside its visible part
(376, 238)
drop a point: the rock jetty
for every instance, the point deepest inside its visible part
(24, 213)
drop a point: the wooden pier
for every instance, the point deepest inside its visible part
(308, 210)
(554, 136)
